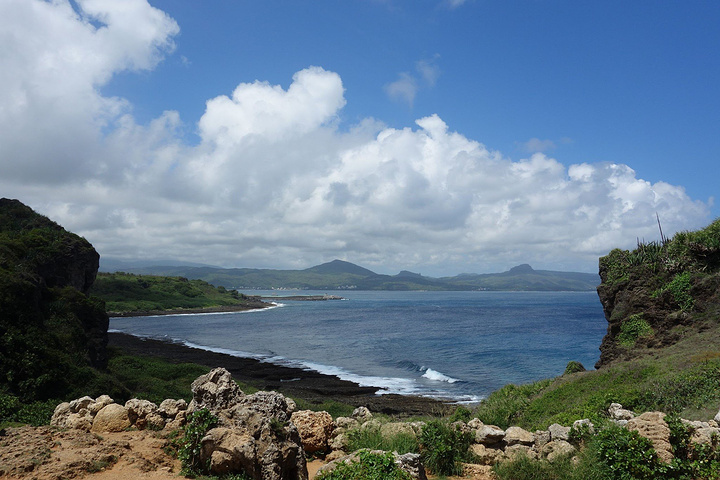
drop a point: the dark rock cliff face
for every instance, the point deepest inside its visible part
(657, 294)
(50, 328)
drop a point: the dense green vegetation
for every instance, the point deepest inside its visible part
(368, 466)
(342, 275)
(127, 292)
(51, 332)
(616, 453)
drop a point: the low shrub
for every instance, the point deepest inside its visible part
(680, 286)
(369, 466)
(574, 367)
(198, 424)
(461, 414)
(632, 328)
(626, 455)
(443, 448)
(13, 411)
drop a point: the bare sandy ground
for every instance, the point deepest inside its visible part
(46, 453)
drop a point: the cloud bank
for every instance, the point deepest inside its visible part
(276, 180)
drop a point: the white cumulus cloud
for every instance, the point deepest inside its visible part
(274, 180)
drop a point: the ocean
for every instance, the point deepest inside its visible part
(451, 345)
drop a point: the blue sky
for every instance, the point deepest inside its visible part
(627, 82)
(427, 135)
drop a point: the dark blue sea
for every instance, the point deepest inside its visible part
(454, 345)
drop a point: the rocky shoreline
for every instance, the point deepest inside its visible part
(308, 385)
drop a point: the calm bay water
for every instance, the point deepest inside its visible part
(459, 345)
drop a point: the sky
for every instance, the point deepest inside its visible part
(436, 136)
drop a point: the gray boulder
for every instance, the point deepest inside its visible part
(489, 435)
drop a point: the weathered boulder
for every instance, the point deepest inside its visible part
(346, 422)
(334, 455)
(518, 436)
(704, 435)
(112, 418)
(179, 421)
(397, 428)
(519, 450)
(617, 412)
(475, 423)
(139, 411)
(489, 434)
(216, 391)
(79, 421)
(362, 414)
(486, 455)
(79, 413)
(411, 463)
(169, 408)
(542, 437)
(314, 428)
(652, 426)
(584, 426)
(717, 417)
(556, 449)
(60, 415)
(254, 431)
(81, 403)
(339, 442)
(558, 432)
(230, 451)
(99, 403)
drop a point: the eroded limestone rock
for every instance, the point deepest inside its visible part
(315, 429)
(652, 426)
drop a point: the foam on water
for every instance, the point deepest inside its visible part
(431, 374)
(387, 385)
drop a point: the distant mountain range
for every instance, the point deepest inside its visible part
(341, 275)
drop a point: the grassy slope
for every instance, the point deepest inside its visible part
(125, 292)
(674, 366)
(683, 378)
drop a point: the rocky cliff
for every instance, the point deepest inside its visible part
(50, 329)
(659, 293)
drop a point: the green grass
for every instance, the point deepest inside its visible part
(373, 439)
(334, 408)
(683, 378)
(152, 378)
